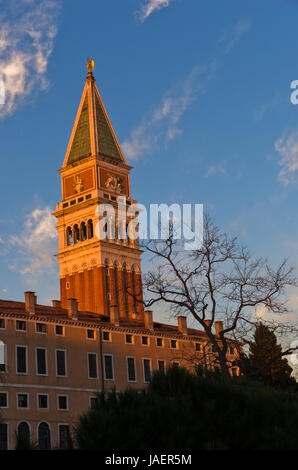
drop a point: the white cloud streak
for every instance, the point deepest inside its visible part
(214, 170)
(287, 148)
(160, 126)
(36, 244)
(230, 38)
(27, 32)
(149, 6)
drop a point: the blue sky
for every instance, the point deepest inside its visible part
(199, 96)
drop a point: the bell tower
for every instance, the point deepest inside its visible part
(100, 273)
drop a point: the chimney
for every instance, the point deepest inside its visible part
(114, 315)
(182, 325)
(207, 322)
(56, 303)
(148, 319)
(218, 327)
(30, 302)
(72, 309)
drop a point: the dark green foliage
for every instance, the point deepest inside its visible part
(24, 443)
(182, 411)
(264, 361)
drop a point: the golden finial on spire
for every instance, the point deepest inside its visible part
(90, 65)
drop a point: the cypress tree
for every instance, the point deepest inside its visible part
(265, 359)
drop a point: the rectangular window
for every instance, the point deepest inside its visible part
(3, 436)
(21, 352)
(88, 196)
(159, 342)
(22, 400)
(131, 369)
(147, 370)
(108, 364)
(62, 402)
(161, 366)
(43, 402)
(72, 203)
(107, 336)
(21, 325)
(175, 364)
(145, 340)
(174, 344)
(61, 363)
(41, 361)
(59, 330)
(2, 357)
(234, 371)
(2, 323)
(199, 347)
(41, 328)
(129, 339)
(81, 199)
(92, 366)
(64, 436)
(232, 351)
(91, 334)
(213, 349)
(3, 400)
(93, 402)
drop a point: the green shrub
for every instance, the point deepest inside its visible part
(182, 411)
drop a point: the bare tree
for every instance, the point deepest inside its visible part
(220, 281)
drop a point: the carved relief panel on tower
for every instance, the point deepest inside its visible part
(78, 182)
(114, 182)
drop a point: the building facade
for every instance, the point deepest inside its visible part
(54, 359)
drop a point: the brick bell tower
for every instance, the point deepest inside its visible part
(100, 274)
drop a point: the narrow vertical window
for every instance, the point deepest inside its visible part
(3, 400)
(83, 232)
(2, 357)
(90, 229)
(68, 236)
(41, 361)
(147, 370)
(92, 365)
(108, 365)
(76, 234)
(21, 352)
(61, 363)
(131, 369)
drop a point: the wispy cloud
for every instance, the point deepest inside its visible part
(287, 148)
(229, 38)
(161, 125)
(35, 245)
(149, 6)
(269, 105)
(213, 170)
(28, 29)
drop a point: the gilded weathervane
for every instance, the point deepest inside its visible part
(90, 65)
